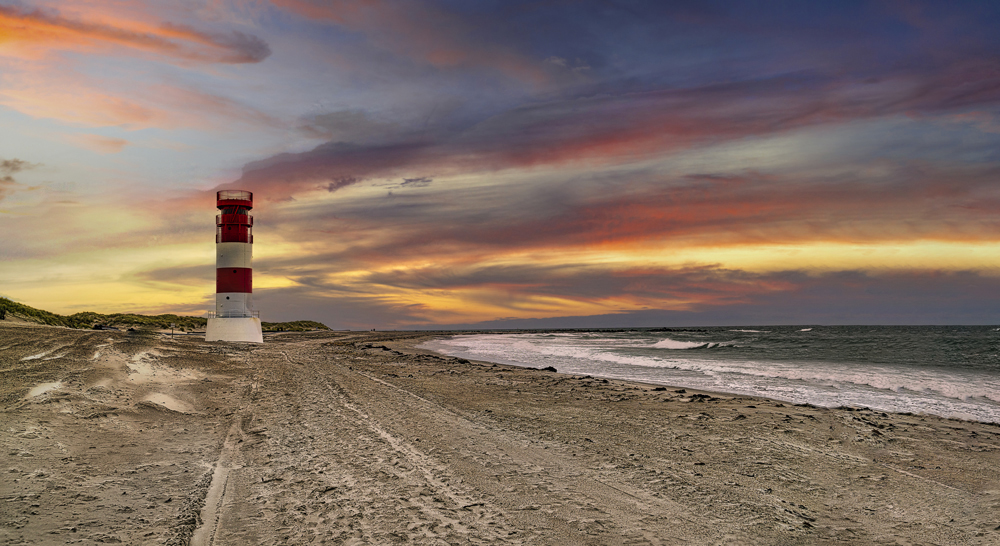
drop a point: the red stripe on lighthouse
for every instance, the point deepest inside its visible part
(230, 233)
(237, 279)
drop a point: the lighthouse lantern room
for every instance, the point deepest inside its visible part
(234, 318)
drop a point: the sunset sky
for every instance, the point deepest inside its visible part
(422, 164)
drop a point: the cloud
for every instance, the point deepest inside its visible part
(37, 97)
(183, 276)
(419, 182)
(542, 158)
(7, 186)
(639, 211)
(332, 165)
(39, 31)
(427, 33)
(532, 287)
(44, 85)
(192, 105)
(11, 166)
(610, 128)
(99, 143)
(347, 126)
(844, 297)
(336, 309)
(46, 94)
(625, 296)
(8, 168)
(311, 298)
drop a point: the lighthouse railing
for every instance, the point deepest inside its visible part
(235, 195)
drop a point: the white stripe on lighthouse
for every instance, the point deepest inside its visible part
(233, 304)
(233, 255)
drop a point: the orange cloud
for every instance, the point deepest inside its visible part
(45, 94)
(195, 106)
(51, 90)
(27, 32)
(99, 143)
(76, 103)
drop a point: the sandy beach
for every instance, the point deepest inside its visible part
(360, 438)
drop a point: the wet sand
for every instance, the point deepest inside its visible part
(358, 438)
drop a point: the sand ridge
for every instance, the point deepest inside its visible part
(359, 438)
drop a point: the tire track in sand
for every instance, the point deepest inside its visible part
(542, 489)
(229, 458)
(438, 508)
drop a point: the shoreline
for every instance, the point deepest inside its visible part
(412, 346)
(409, 345)
(359, 437)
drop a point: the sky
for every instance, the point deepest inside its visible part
(508, 164)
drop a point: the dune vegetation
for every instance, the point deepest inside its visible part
(91, 320)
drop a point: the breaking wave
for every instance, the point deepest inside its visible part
(679, 345)
(947, 372)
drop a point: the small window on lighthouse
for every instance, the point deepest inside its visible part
(227, 297)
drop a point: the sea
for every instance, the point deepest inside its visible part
(948, 371)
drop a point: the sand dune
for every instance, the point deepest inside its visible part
(357, 438)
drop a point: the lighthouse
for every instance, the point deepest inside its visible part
(234, 318)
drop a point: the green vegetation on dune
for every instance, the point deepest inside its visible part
(31, 314)
(89, 320)
(294, 326)
(129, 320)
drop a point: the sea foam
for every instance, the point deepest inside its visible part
(755, 363)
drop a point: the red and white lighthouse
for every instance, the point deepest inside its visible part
(234, 318)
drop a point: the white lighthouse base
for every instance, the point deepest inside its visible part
(234, 329)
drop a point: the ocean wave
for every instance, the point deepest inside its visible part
(938, 390)
(673, 344)
(742, 373)
(885, 379)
